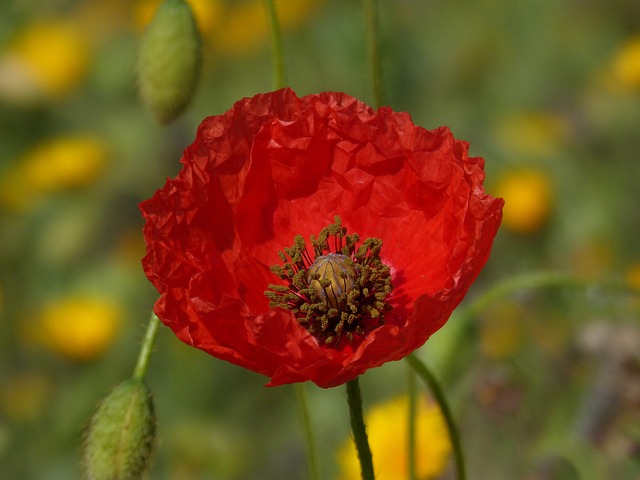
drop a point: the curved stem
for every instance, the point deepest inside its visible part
(303, 410)
(528, 281)
(375, 68)
(433, 385)
(145, 350)
(534, 280)
(359, 430)
(279, 79)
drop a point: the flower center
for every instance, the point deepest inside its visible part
(332, 276)
(339, 291)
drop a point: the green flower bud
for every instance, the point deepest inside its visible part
(121, 437)
(169, 60)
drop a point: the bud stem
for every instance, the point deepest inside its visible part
(145, 349)
(359, 430)
(375, 68)
(279, 79)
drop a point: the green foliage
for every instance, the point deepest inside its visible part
(543, 382)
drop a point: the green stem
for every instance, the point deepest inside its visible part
(441, 400)
(145, 349)
(279, 79)
(359, 430)
(303, 410)
(375, 68)
(411, 428)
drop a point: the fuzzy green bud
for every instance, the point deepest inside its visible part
(121, 438)
(169, 60)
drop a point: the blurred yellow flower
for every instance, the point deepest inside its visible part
(79, 327)
(535, 134)
(206, 12)
(593, 257)
(626, 64)
(57, 164)
(65, 162)
(387, 431)
(48, 57)
(501, 331)
(528, 200)
(244, 27)
(24, 397)
(237, 27)
(633, 275)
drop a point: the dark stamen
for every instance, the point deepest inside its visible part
(341, 292)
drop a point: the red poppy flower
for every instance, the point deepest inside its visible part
(277, 170)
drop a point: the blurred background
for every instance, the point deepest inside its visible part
(545, 382)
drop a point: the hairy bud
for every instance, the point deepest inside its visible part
(169, 60)
(121, 437)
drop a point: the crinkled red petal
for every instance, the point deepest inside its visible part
(275, 166)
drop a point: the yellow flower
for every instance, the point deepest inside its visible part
(58, 164)
(626, 64)
(536, 134)
(501, 331)
(528, 200)
(80, 328)
(206, 12)
(49, 57)
(245, 27)
(237, 27)
(65, 162)
(633, 275)
(387, 431)
(593, 257)
(23, 397)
